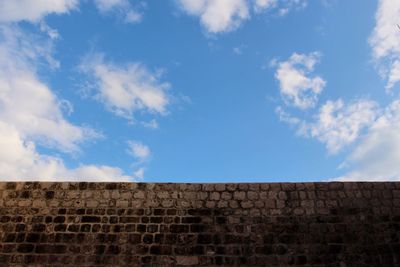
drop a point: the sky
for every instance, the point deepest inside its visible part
(200, 90)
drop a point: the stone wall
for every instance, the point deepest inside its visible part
(144, 224)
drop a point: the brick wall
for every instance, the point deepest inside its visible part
(144, 224)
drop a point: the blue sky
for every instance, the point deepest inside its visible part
(199, 90)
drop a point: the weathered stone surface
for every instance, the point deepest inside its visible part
(140, 224)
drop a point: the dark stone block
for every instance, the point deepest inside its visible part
(48, 219)
(113, 249)
(135, 238)
(130, 228)
(279, 249)
(60, 227)
(197, 228)
(83, 186)
(25, 194)
(179, 228)
(335, 249)
(204, 239)
(301, 260)
(152, 228)
(20, 237)
(148, 239)
(49, 194)
(90, 219)
(62, 211)
(38, 227)
(11, 186)
(146, 260)
(118, 228)
(37, 219)
(85, 227)
(9, 237)
(25, 248)
(111, 186)
(73, 227)
(155, 250)
(33, 238)
(68, 237)
(59, 219)
(4, 219)
(29, 259)
(59, 249)
(20, 227)
(156, 219)
(113, 219)
(159, 212)
(171, 212)
(191, 219)
(220, 220)
(100, 249)
(80, 211)
(141, 228)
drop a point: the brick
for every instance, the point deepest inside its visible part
(239, 195)
(297, 224)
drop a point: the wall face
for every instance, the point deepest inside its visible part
(138, 224)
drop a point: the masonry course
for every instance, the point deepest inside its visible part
(167, 224)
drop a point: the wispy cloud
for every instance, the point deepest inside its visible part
(377, 156)
(125, 9)
(31, 114)
(29, 104)
(126, 89)
(219, 16)
(385, 41)
(33, 11)
(339, 124)
(138, 150)
(297, 85)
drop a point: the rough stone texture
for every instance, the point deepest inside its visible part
(142, 224)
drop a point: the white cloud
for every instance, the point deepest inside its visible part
(377, 156)
(52, 33)
(139, 150)
(33, 10)
(26, 102)
(31, 114)
(283, 6)
(261, 5)
(128, 88)
(217, 15)
(152, 124)
(286, 117)
(339, 124)
(123, 8)
(385, 41)
(19, 160)
(138, 174)
(296, 86)
(336, 124)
